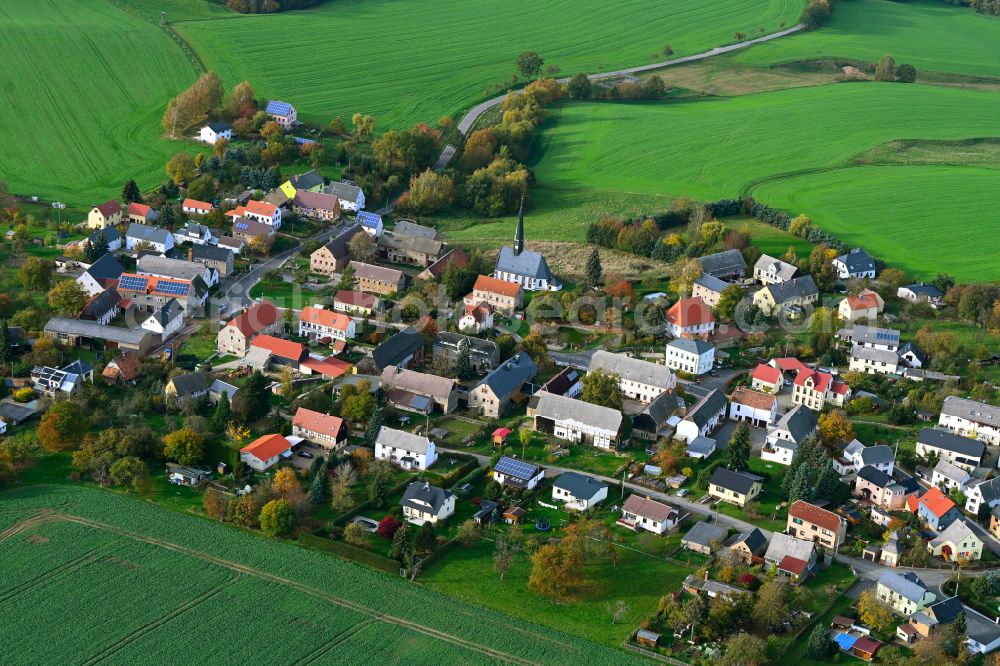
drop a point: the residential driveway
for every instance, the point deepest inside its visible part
(859, 587)
(725, 433)
(305, 463)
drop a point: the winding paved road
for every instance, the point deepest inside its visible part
(475, 112)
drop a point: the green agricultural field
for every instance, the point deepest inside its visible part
(924, 219)
(123, 579)
(722, 147)
(928, 34)
(84, 87)
(404, 65)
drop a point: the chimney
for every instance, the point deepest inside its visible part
(191, 253)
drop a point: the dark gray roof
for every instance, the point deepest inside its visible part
(579, 486)
(510, 375)
(980, 628)
(411, 228)
(338, 246)
(740, 482)
(477, 346)
(529, 263)
(874, 335)
(942, 439)
(14, 413)
(344, 191)
(101, 304)
(107, 235)
(876, 476)
(210, 253)
(754, 539)
(219, 126)
(704, 446)
(971, 410)
(723, 263)
(923, 289)
(877, 455)
(711, 282)
(419, 494)
(168, 312)
(713, 403)
(190, 383)
(990, 489)
(800, 422)
(144, 232)
(562, 382)
(394, 350)
(306, 181)
(798, 288)
(107, 267)
(890, 358)
(857, 261)
(559, 408)
(946, 611)
(918, 353)
(907, 585)
(704, 534)
(92, 329)
(698, 347)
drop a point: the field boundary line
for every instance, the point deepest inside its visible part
(53, 575)
(163, 619)
(330, 598)
(335, 641)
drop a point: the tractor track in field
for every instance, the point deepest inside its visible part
(334, 642)
(372, 614)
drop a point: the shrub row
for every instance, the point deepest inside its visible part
(349, 552)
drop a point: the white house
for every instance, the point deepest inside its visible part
(856, 455)
(575, 420)
(264, 452)
(920, 292)
(643, 513)
(352, 197)
(370, 222)
(282, 113)
(905, 592)
(405, 449)
(758, 409)
(424, 503)
(316, 322)
(166, 320)
(261, 211)
(962, 451)
(578, 492)
(695, 357)
(141, 235)
(949, 477)
(195, 207)
(192, 232)
(639, 380)
(689, 318)
(214, 131)
(477, 318)
(874, 361)
(797, 425)
(970, 418)
(702, 419)
(855, 264)
(769, 270)
(982, 493)
(517, 473)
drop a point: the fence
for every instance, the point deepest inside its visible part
(349, 552)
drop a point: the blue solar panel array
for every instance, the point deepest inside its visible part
(516, 468)
(279, 108)
(369, 219)
(172, 288)
(241, 225)
(133, 283)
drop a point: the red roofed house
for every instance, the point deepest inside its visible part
(937, 510)
(813, 389)
(502, 295)
(329, 367)
(866, 306)
(261, 211)
(141, 213)
(236, 336)
(355, 303)
(122, 368)
(477, 318)
(789, 366)
(767, 379)
(644, 513)
(264, 451)
(759, 409)
(317, 322)
(689, 318)
(195, 207)
(323, 429)
(866, 647)
(108, 214)
(811, 523)
(283, 352)
(794, 568)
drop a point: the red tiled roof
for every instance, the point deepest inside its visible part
(479, 311)
(324, 424)
(788, 363)
(755, 399)
(811, 513)
(256, 207)
(153, 285)
(690, 312)
(840, 387)
(863, 301)
(109, 208)
(912, 503)
(326, 318)
(355, 298)
(279, 347)
(821, 380)
(256, 319)
(867, 644)
(330, 366)
(487, 283)
(139, 209)
(766, 373)
(266, 447)
(936, 502)
(197, 205)
(793, 565)
(125, 365)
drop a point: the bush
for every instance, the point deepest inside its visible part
(24, 394)
(387, 528)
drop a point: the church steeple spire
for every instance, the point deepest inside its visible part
(519, 234)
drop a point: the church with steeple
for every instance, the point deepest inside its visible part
(524, 267)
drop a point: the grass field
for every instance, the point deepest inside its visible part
(720, 147)
(403, 66)
(924, 219)
(84, 87)
(123, 579)
(928, 34)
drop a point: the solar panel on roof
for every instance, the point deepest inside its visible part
(132, 283)
(279, 108)
(240, 225)
(368, 219)
(515, 468)
(172, 288)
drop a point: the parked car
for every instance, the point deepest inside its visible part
(304, 454)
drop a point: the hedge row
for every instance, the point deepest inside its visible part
(349, 552)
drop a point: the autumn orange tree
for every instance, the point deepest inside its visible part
(556, 571)
(62, 427)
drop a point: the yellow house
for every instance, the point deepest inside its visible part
(288, 189)
(956, 543)
(108, 214)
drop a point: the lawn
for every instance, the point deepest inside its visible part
(124, 579)
(439, 60)
(84, 87)
(928, 34)
(788, 148)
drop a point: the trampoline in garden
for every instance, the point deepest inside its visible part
(543, 525)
